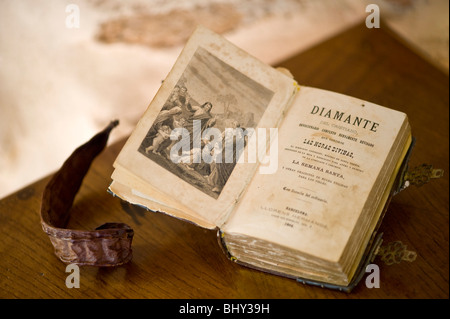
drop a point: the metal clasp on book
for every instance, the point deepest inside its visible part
(395, 252)
(421, 175)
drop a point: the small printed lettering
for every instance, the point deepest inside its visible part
(315, 128)
(366, 143)
(298, 211)
(328, 131)
(320, 169)
(246, 308)
(227, 308)
(196, 309)
(328, 147)
(348, 137)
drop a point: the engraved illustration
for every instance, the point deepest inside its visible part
(208, 113)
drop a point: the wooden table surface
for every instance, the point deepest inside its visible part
(175, 259)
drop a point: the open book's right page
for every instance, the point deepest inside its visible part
(334, 153)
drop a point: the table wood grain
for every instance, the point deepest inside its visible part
(176, 259)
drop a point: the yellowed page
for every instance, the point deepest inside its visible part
(135, 197)
(332, 148)
(357, 249)
(140, 193)
(243, 92)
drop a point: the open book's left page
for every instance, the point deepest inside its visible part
(181, 158)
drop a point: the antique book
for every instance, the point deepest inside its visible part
(295, 179)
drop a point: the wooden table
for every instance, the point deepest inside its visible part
(175, 259)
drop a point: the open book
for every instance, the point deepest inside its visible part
(295, 179)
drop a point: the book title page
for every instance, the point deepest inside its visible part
(331, 150)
